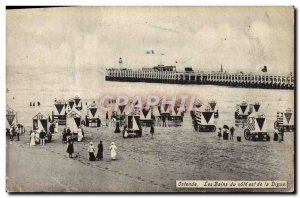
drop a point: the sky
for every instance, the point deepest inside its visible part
(93, 38)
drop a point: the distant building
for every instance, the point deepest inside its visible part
(164, 68)
(188, 69)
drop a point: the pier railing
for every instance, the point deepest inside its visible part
(265, 80)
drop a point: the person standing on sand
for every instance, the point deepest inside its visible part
(37, 136)
(64, 135)
(91, 151)
(232, 132)
(68, 133)
(152, 131)
(17, 130)
(80, 135)
(164, 121)
(100, 151)
(32, 138)
(124, 132)
(275, 135)
(51, 128)
(113, 153)
(42, 137)
(220, 133)
(70, 148)
(117, 130)
(106, 119)
(56, 127)
(82, 131)
(11, 133)
(282, 133)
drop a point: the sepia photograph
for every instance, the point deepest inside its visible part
(163, 99)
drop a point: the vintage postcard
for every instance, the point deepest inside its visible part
(150, 99)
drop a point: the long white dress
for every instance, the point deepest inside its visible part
(80, 135)
(37, 136)
(113, 153)
(56, 127)
(32, 139)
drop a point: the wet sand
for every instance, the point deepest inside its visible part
(146, 164)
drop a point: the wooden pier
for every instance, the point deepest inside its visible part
(249, 80)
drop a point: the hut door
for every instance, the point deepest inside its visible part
(44, 124)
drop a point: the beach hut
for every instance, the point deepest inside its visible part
(176, 116)
(285, 120)
(243, 110)
(203, 119)
(73, 120)
(59, 112)
(120, 114)
(213, 106)
(165, 109)
(78, 103)
(73, 103)
(256, 128)
(134, 128)
(92, 117)
(256, 106)
(11, 118)
(146, 117)
(70, 105)
(156, 113)
(40, 122)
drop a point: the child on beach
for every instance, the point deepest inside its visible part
(70, 148)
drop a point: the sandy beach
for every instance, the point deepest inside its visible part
(56, 54)
(145, 164)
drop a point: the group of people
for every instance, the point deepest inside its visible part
(279, 134)
(14, 131)
(91, 150)
(39, 137)
(226, 133)
(54, 127)
(32, 104)
(68, 134)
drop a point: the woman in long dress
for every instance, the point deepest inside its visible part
(113, 153)
(91, 151)
(100, 151)
(32, 139)
(56, 127)
(80, 135)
